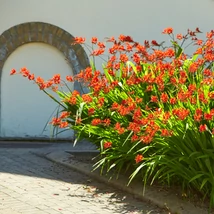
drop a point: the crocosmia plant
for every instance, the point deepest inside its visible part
(150, 110)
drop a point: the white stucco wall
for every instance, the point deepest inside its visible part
(141, 19)
(25, 109)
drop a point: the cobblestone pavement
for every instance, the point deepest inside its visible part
(33, 185)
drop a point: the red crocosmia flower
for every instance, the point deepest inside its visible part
(106, 122)
(173, 100)
(165, 133)
(191, 33)
(149, 88)
(198, 115)
(64, 114)
(138, 158)
(193, 100)
(112, 58)
(98, 52)
(168, 30)
(208, 81)
(198, 111)
(154, 99)
(24, 72)
(137, 114)
(148, 129)
(116, 66)
(144, 121)
(96, 122)
(181, 113)
(87, 98)
(56, 79)
(69, 78)
(54, 88)
(147, 108)
(111, 39)
(179, 36)
(183, 74)
(193, 67)
(115, 106)
(136, 58)
(75, 93)
(114, 83)
(123, 38)
(201, 96)
(209, 35)
(112, 50)
(164, 97)
(122, 110)
(157, 112)
(202, 127)
(39, 80)
(101, 44)
(72, 100)
(13, 71)
(91, 111)
(154, 42)
(31, 77)
(94, 40)
(182, 80)
(199, 51)
(182, 96)
(48, 84)
(138, 100)
(119, 129)
(147, 138)
(134, 138)
(158, 54)
(87, 74)
(146, 43)
(209, 57)
(107, 145)
(124, 58)
(79, 40)
(101, 101)
(208, 116)
(192, 87)
(207, 72)
(42, 86)
(78, 121)
(55, 121)
(63, 124)
(199, 42)
(197, 30)
(134, 127)
(166, 116)
(169, 53)
(129, 47)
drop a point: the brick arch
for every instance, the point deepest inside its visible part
(46, 33)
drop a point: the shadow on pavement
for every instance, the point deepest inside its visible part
(17, 159)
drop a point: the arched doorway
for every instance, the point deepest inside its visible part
(45, 50)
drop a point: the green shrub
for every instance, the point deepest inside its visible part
(150, 111)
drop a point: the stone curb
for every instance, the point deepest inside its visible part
(161, 198)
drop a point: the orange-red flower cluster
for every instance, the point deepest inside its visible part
(107, 145)
(138, 158)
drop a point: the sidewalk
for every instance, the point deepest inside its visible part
(30, 184)
(67, 155)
